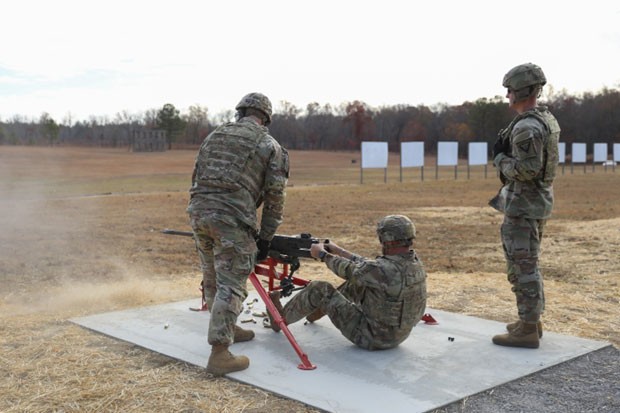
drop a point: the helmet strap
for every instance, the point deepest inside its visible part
(259, 114)
(396, 247)
(395, 250)
(523, 94)
(527, 92)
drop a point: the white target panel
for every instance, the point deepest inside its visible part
(617, 152)
(562, 152)
(578, 153)
(447, 153)
(477, 153)
(411, 154)
(600, 152)
(374, 155)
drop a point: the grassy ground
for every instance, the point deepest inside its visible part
(80, 235)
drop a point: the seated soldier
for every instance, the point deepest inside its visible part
(380, 301)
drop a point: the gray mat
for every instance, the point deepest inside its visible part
(435, 366)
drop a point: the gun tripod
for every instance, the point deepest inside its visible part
(268, 268)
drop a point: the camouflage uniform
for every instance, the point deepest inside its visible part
(378, 305)
(526, 199)
(239, 167)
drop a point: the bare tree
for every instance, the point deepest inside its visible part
(197, 124)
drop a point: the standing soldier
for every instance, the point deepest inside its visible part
(239, 167)
(526, 156)
(380, 301)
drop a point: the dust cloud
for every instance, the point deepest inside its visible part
(80, 298)
(54, 255)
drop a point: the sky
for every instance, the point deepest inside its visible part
(76, 59)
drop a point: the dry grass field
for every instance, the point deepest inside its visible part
(79, 234)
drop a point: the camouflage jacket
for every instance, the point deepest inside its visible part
(394, 293)
(240, 167)
(528, 169)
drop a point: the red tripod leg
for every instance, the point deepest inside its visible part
(277, 317)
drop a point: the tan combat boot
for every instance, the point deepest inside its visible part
(510, 327)
(221, 361)
(242, 335)
(524, 335)
(275, 299)
(315, 315)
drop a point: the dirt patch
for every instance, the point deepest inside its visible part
(81, 235)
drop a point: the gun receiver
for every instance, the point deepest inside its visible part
(291, 246)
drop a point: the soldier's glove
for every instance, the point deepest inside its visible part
(263, 249)
(500, 146)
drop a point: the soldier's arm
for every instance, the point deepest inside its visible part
(194, 175)
(274, 193)
(526, 160)
(342, 267)
(362, 271)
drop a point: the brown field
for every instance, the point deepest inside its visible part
(80, 235)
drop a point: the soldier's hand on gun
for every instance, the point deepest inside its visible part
(333, 248)
(500, 146)
(263, 249)
(316, 249)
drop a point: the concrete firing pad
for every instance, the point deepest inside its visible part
(437, 364)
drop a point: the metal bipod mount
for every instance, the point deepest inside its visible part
(203, 305)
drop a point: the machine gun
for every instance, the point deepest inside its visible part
(283, 247)
(283, 250)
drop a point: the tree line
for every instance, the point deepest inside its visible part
(589, 118)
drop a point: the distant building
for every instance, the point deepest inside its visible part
(148, 140)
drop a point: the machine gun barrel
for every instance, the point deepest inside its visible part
(175, 232)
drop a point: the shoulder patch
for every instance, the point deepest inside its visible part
(525, 145)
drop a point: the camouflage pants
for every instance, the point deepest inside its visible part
(340, 304)
(207, 266)
(227, 251)
(521, 239)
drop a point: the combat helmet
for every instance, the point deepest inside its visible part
(393, 228)
(257, 101)
(521, 80)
